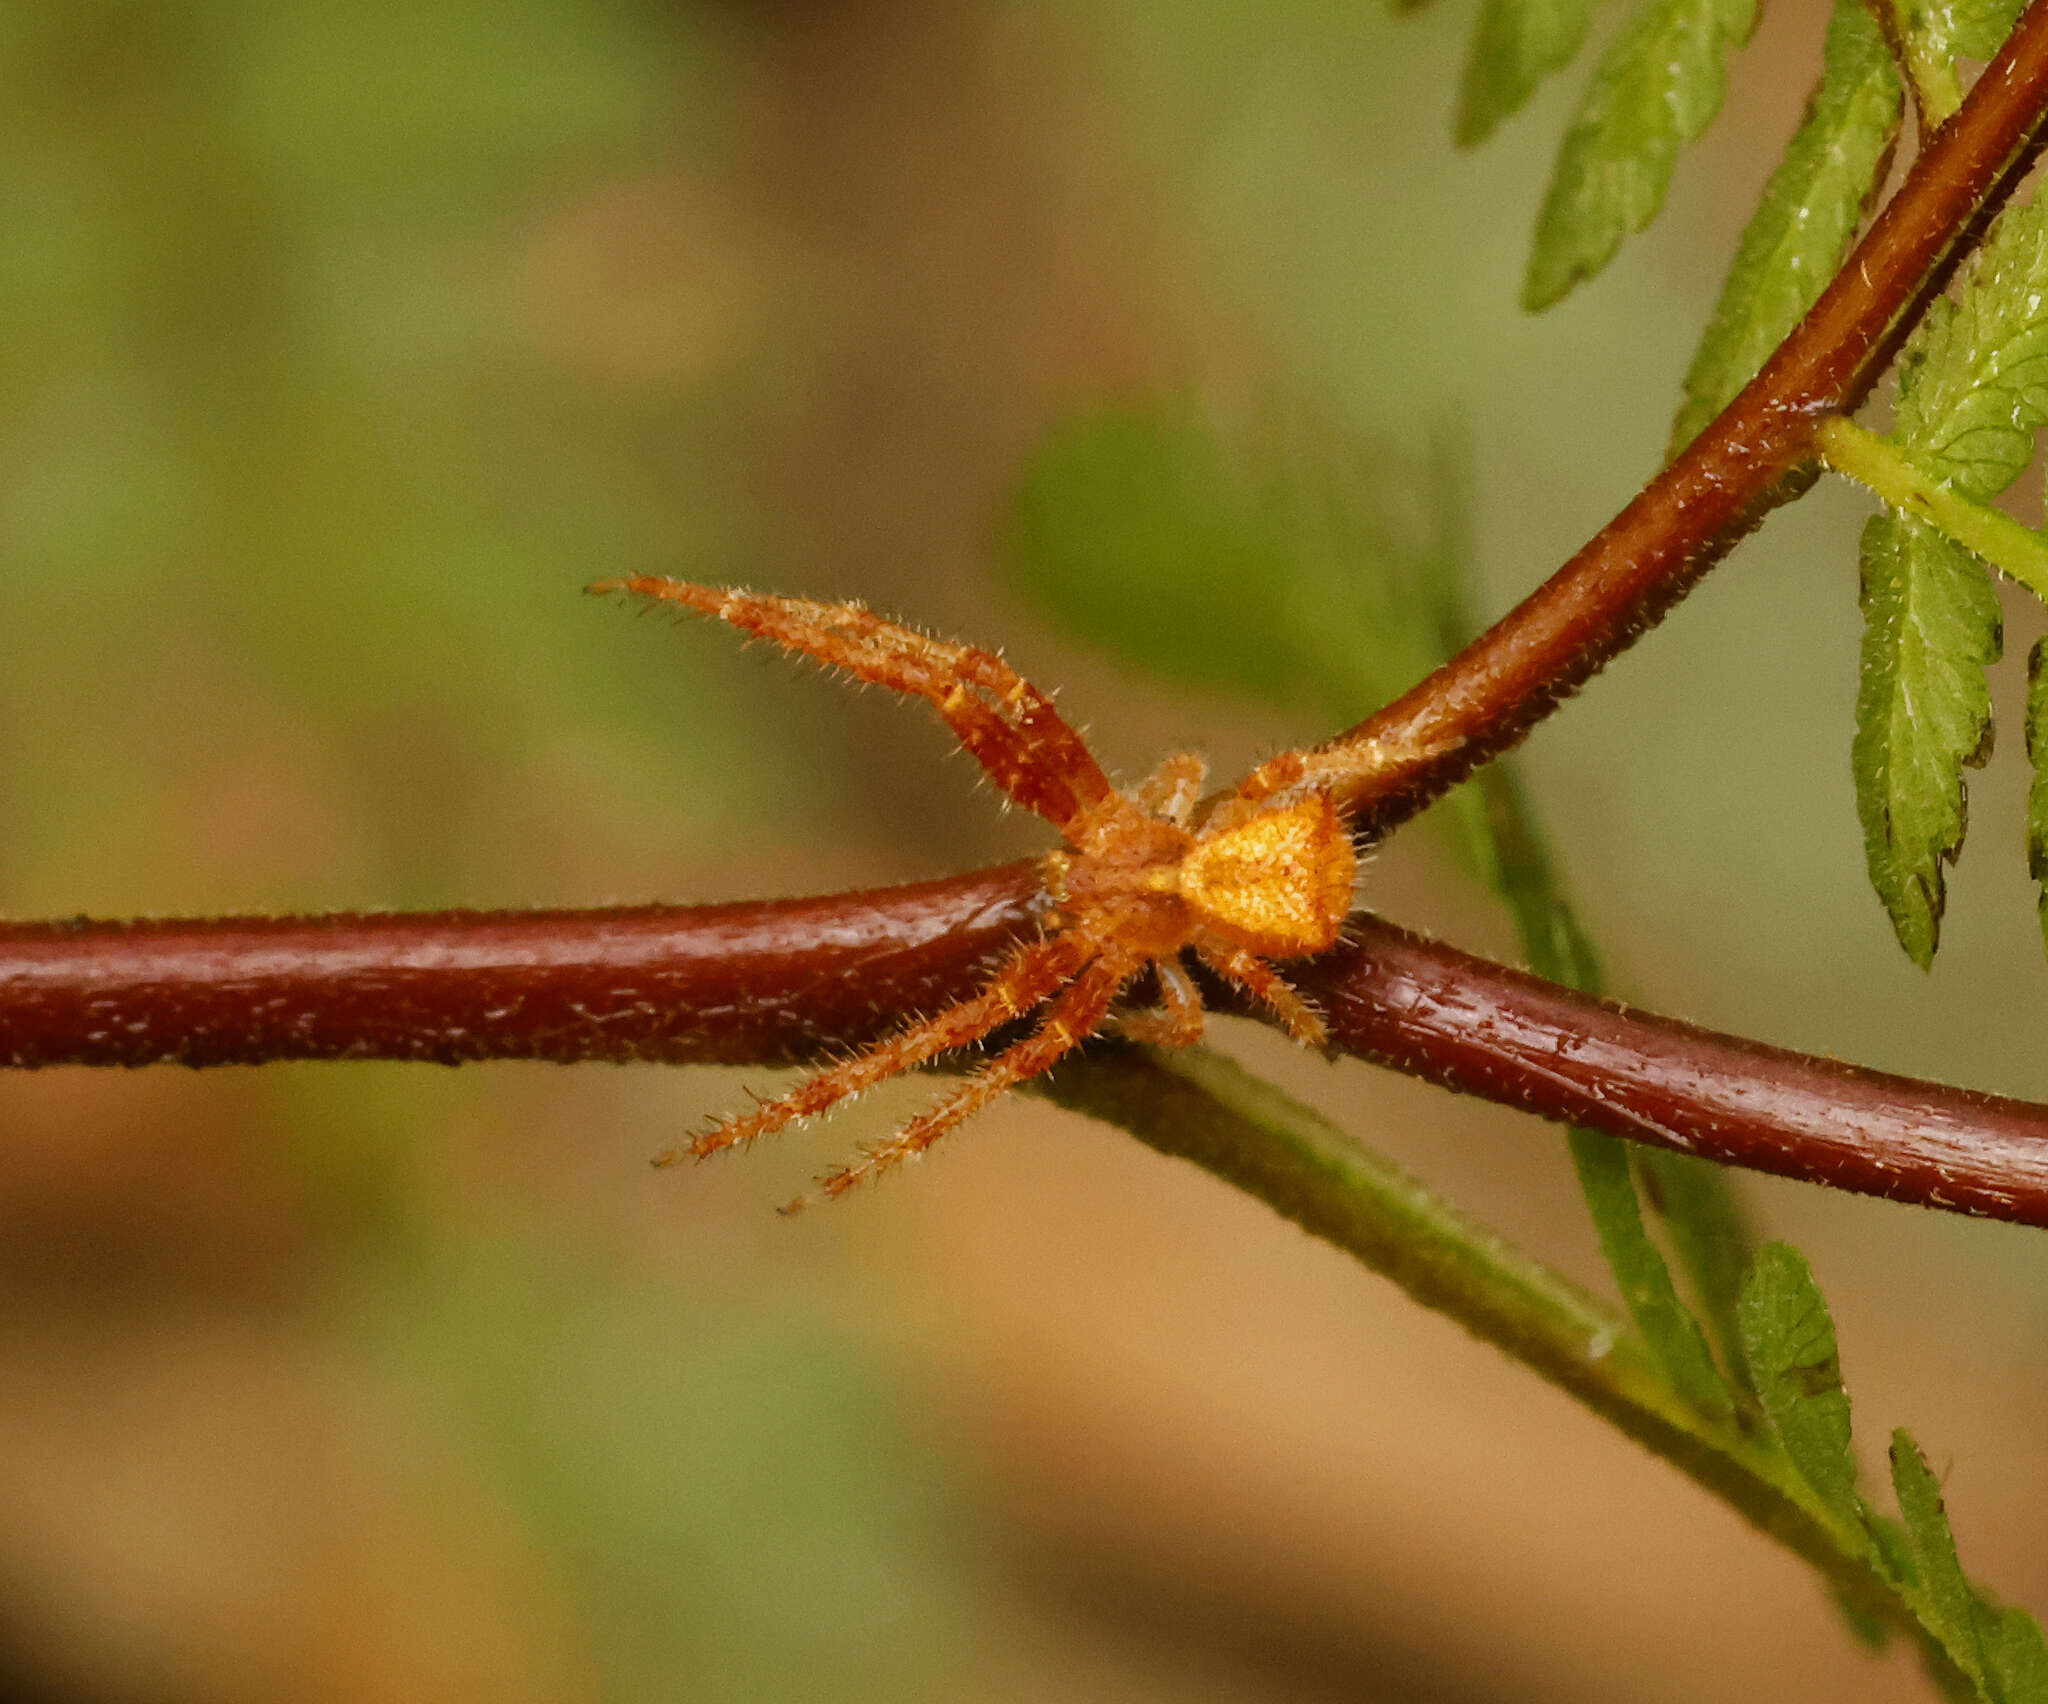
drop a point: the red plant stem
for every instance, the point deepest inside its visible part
(716, 984)
(1434, 1012)
(778, 980)
(789, 979)
(1758, 452)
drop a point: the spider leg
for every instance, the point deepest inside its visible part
(1006, 724)
(1031, 973)
(1345, 769)
(1257, 977)
(1172, 790)
(1179, 1024)
(1074, 1017)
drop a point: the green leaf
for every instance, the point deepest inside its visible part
(1973, 382)
(1973, 393)
(1788, 1339)
(1517, 45)
(1872, 1631)
(1131, 530)
(1943, 1598)
(2017, 1658)
(1657, 87)
(1981, 26)
(2037, 793)
(1711, 1236)
(1944, 29)
(1894, 1548)
(1692, 1197)
(1671, 1332)
(1807, 219)
(1931, 626)
(1268, 570)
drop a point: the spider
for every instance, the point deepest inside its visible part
(1262, 872)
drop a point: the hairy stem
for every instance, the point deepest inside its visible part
(1432, 1011)
(772, 980)
(779, 980)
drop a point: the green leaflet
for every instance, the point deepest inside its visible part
(1973, 392)
(1270, 573)
(1644, 1280)
(1973, 383)
(2018, 1658)
(1944, 29)
(1517, 45)
(1711, 1235)
(1931, 626)
(1657, 87)
(1941, 1594)
(2000, 1651)
(1788, 1339)
(1981, 26)
(1807, 219)
(2037, 793)
(1692, 1197)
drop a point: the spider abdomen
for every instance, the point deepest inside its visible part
(1278, 883)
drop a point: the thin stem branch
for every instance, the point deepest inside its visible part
(1755, 455)
(1195, 1106)
(1879, 465)
(779, 980)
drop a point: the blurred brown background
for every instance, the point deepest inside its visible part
(341, 342)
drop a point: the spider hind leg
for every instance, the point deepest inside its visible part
(1256, 977)
(1029, 976)
(1179, 1020)
(1074, 1017)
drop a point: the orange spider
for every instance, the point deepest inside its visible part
(1262, 872)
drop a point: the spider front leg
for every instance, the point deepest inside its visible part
(1027, 977)
(1004, 722)
(1075, 1016)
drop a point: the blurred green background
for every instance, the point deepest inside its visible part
(340, 345)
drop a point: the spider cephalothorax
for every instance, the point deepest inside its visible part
(1264, 872)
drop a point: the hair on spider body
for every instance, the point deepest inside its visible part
(1146, 877)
